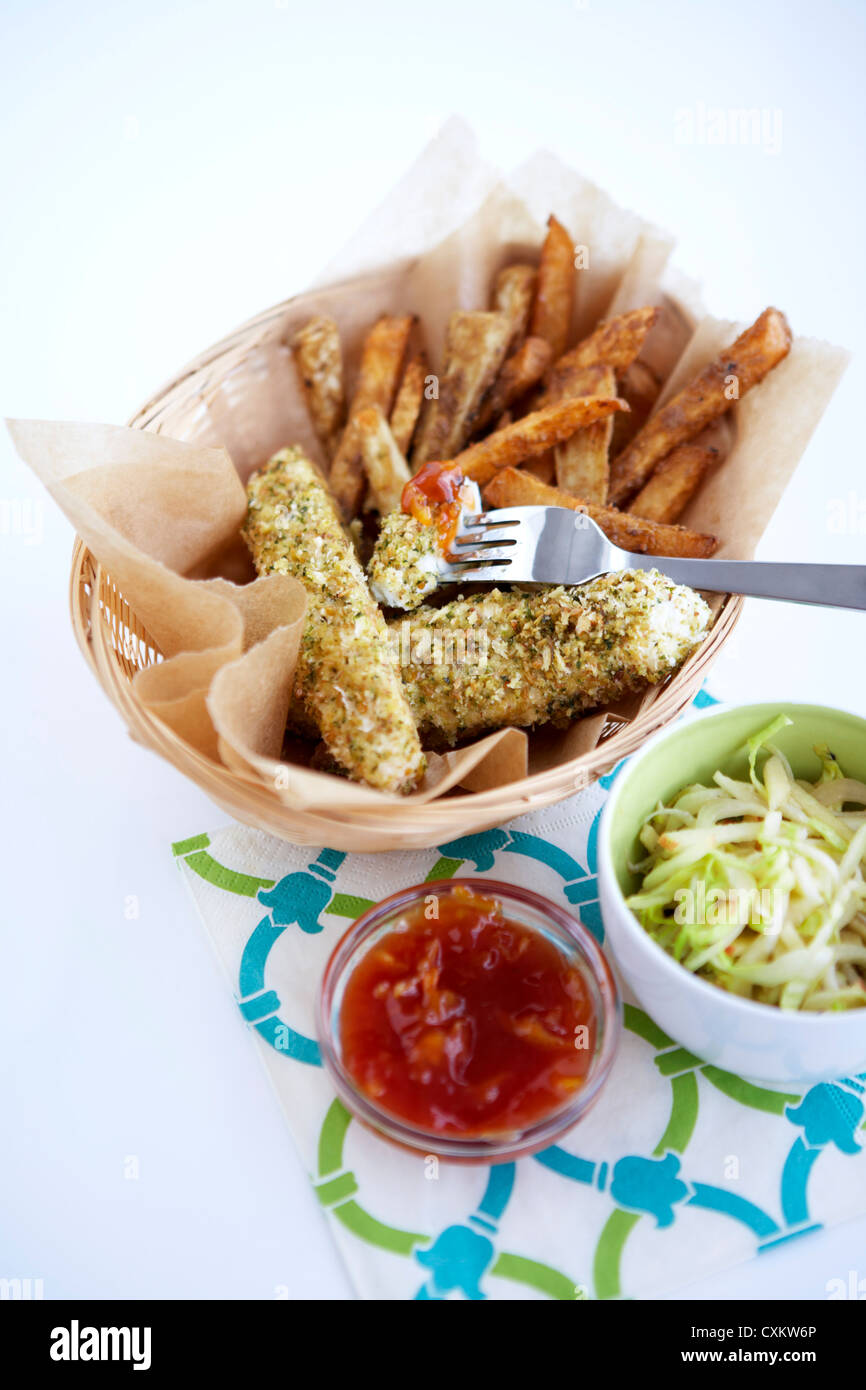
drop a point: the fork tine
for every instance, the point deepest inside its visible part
(489, 520)
(466, 574)
(483, 545)
(473, 557)
(463, 562)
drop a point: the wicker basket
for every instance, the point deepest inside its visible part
(116, 645)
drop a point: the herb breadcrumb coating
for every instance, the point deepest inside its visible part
(404, 566)
(348, 679)
(526, 658)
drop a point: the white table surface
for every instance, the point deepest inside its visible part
(170, 169)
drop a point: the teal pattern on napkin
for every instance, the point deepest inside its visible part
(616, 1210)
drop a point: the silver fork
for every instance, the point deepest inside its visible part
(553, 545)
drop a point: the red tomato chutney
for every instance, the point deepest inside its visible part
(467, 1022)
(434, 495)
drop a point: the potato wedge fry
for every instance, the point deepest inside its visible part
(520, 372)
(346, 479)
(386, 469)
(318, 359)
(564, 382)
(407, 403)
(513, 293)
(533, 435)
(640, 387)
(554, 294)
(582, 461)
(739, 367)
(674, 483)
(580, 465)
(475, 348)
(381, 360)
(615, 343)
(514, 487)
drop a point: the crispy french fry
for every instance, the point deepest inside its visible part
(615, 343)
(674, 483)
(554, 294)
(407, 403)
(386, 469)
(514, 487)
(534, 434)
(583, 458)
(346, 479)
(738, 368)
(381, 360)
(513, 292)
(567, 379)
(582, 461)
(475, 348)
(640, 387)
(590, 448)
(520, 372)
(319, 362)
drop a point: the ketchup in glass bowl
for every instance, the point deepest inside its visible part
(468, 1018)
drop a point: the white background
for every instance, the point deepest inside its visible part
(168, 170)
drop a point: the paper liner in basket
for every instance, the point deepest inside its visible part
(162, 515)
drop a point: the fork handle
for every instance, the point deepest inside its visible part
(834, 586)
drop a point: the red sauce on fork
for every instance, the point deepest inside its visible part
(467, 1023)
(433, 495)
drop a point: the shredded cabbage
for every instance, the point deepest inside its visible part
(759, 886)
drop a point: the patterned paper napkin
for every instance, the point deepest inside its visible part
(680, 1168)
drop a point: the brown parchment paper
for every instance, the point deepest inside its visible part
(162, 514)
(151, 510)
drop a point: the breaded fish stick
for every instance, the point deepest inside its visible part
(404, 567)
(520, 658)
(348, 679)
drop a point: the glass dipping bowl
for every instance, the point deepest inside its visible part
(579, 949)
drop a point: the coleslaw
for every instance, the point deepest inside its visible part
(759, 886)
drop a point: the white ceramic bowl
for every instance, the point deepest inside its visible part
(750, 1039)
